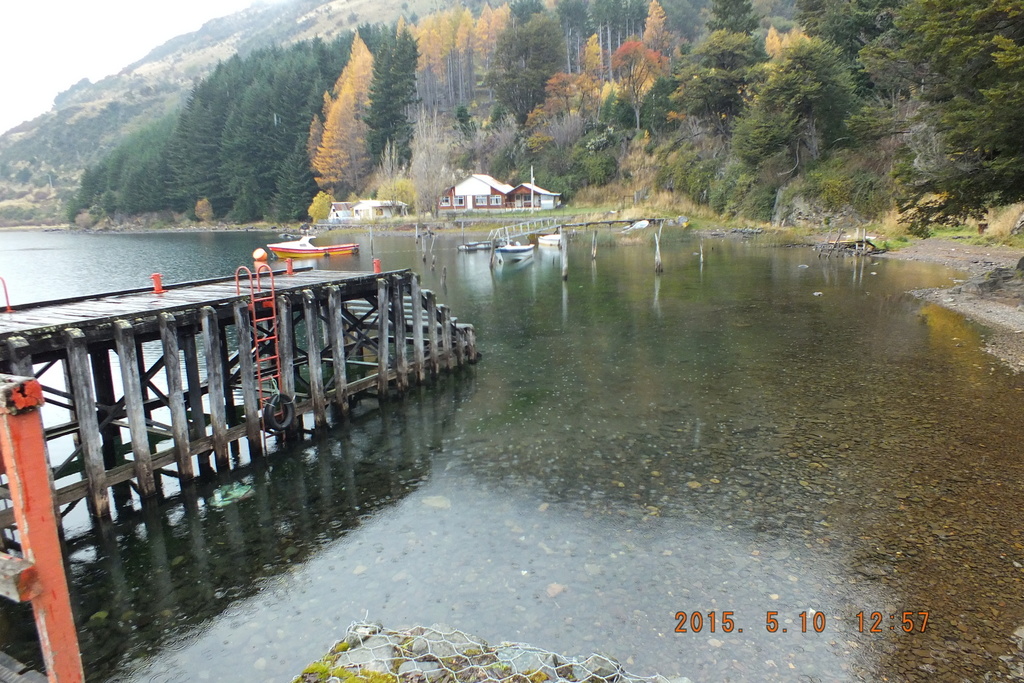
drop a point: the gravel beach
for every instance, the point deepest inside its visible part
(1001, 312)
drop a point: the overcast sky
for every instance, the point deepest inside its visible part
(45, 47)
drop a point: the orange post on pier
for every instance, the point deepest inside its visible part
(38, 576)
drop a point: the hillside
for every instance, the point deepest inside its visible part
(42, 159)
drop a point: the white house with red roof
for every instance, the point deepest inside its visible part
(480, 192)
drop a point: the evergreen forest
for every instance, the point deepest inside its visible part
(862, 108)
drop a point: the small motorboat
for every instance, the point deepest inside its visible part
(554, 240)
(475, 246)
(514, 251)
(304, 248)
(638, 225)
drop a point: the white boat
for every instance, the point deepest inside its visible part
(554, 240)
(514, 251)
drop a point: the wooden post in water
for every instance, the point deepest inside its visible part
(382, 339)
(446, 337)
(658, 268)
(88, 425)
(314, 362)
(418, 362)
(175, 397)
(401, 349)
(336, 333)
(215, 387)
(435, 356)
(247, 373)
(286, 352)
(564, 249)
(593, 247)
(197, 421)
(124, 337)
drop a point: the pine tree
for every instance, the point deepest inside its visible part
(735, 16)
(295, 186)
(392, 93)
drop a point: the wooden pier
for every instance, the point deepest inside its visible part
(169, 381)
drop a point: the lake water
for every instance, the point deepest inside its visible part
(765, 431)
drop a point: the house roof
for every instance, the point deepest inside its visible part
(378, 203)
(341, 205)
(538, 190)
(496, 184)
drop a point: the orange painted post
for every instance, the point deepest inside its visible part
(158, 283)
(23, 448)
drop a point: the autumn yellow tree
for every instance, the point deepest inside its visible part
(776, 43)
(204, 210)
(588, 82)
(656, 35)
(320, 209)
(341, 161)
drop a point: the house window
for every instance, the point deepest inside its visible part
(495, 200)
(480, 200)
(460, 200)
(446, 201)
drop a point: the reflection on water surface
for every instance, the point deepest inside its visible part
(720, 439)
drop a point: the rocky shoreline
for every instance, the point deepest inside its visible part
(993, 294)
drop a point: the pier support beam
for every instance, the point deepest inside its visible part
(314, 362)
(176, 397)
(215, 387)
(336, 334)
(127, 353)
(247, 373)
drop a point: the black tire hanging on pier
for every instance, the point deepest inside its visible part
(279, 413)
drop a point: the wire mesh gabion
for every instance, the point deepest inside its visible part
(369, 653)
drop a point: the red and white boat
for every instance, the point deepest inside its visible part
(303, 248)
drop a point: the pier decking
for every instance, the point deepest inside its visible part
(147, 384)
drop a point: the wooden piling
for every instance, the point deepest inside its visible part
(401, 351)
(382, 338)
(215, 384)
(418, 358)
(336, 333)
(314, 363)
(432, 326)
(88, 425)
(447, 357)
(247, 373)
(134, 402)
(175, 397)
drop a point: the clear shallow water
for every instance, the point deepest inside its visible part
(717, 439)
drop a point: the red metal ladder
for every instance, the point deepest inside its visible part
(263, 318)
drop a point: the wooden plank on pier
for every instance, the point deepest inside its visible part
(88, 424)
(215, 387)
(131, 382)
(314, 364)
(175, 396)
